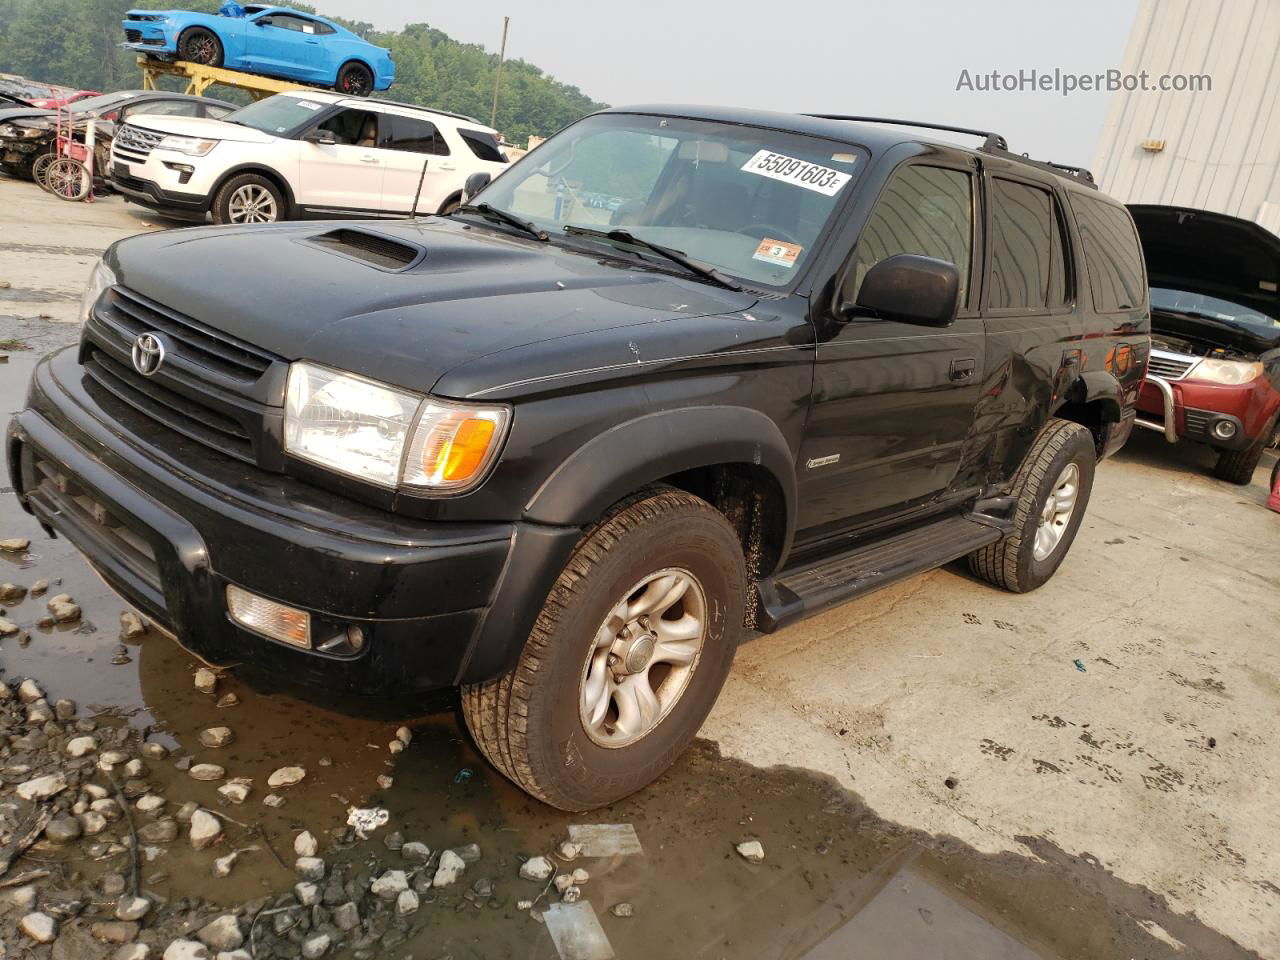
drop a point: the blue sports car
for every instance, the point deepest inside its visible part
(272, 41)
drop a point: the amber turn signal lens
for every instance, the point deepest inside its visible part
(453, 445)
(460, 457)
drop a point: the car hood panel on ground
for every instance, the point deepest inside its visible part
(201, 127)
(474, 293)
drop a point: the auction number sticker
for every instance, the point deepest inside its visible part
(777, 252)
(800, 173)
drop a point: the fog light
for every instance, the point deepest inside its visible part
(1224, 429)
(269, 618)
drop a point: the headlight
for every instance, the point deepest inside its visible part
(8, 130)
(387, 436)
(1232, 373)
(192, 146)
(99, 280)
(28, 132)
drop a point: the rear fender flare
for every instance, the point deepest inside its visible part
(1099, 386)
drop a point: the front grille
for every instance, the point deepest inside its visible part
(1197, 421)
(211, 349)
(133, 36)
(176, 411)
(134, 144)
(1170, 366)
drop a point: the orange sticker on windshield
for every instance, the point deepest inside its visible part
(777, 252)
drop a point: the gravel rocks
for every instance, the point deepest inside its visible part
(81, 746)
(150, 803)
(132, 951)
(310, 868)
(451, 867)
(286, 777)
(216, 737)
(114, 931)
(751, 850)
(186, 950)
(154, 751)
(346, 916)
(42, 788)
(12, 592)
(92, 823)
(159, 831)
(63, 609)
(64, 709)
(537, 868)
(63, 829)
(568, 850)
(305, 845)
(132, 908)
(7, 627)
(416, 852)
(131, 625)
(40, 927)
(39, 587)
(407, 902)
(316, 946)
(223, 865)
(14, 545)
(29, 691)
(227, 700)
(237, 790)
(206, 771)
(623, 909)
(308, 893)
(205, 830)
(390, 885)
(206, 680)
(222, 933)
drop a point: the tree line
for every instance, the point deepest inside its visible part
(76, 43)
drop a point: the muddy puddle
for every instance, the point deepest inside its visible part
(837, 882)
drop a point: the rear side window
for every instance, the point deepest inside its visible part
(1111, 254)
(415, 136)
(926, 211)
(1021, 246)
(483, 145)
(164, 108)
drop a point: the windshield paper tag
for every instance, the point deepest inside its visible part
(777, 252)
(800, 173)
(308, 105)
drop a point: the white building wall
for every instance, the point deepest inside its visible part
(1222, 147)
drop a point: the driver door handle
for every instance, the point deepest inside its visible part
(962, 369)
(368, 159)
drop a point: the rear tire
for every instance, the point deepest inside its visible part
(1237, 466)
(248, 198)
(533, 724)
(202, 46)
(1063, 454)
(354, 79)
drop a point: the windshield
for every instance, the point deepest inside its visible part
(748, 201)
(1214, 308)
(278, 114)
(99, 103)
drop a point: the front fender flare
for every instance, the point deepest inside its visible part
(638, 452)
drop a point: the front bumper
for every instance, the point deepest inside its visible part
(177, 203)
(1190, 410)
(170, 534)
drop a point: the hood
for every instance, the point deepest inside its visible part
(467, 293)
(9, 114)
(200, 127)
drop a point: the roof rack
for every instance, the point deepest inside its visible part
(993, 140)
(992, 143)
(418, 106)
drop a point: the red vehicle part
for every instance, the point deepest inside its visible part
(1192, 409)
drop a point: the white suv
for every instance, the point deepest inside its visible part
(303, 154)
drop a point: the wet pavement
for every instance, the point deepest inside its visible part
(836, 882)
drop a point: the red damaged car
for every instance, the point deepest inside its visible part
(1214, 373)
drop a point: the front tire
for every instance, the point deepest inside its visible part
(355, 79)
(248, 198)
(602, 701)
(202, 46)
(1237, 466)
(1052, 490)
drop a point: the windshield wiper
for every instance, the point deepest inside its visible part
(490, 212)
(675, 256)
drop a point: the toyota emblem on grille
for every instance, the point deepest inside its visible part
(148, 353)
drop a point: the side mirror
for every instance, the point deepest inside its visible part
(910, 289)
(475, 183)
(319, 136)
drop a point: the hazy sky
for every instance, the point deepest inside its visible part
(900, 59)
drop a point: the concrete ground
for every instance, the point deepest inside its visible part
(1122, 718)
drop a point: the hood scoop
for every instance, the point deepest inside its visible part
(375, 249)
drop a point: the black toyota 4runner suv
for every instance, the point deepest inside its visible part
(677, 373)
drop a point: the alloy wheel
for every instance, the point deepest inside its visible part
(1056, 515)
(252, 203)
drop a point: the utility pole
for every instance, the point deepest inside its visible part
(497, 83)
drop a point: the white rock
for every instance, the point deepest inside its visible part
(404, 735)
(346, 916)
(451, 867)
(154, 751)
(222, 933)
(623, 909)
(132, 908)
(131, 625)
(286, 777)
(108, 807)
(389, 885)
(315, 947)
(14, 545)
(385, 781)
(222, 866)
(310, 868)
(241, 954)
(395, 746)
(273, 800)
(537, 868)
(95, 791)
(205, 829)
(563, 882)
(308, 893)
(406, 903)
(39, 713)
(206, 771)
(416, 852)
(135, 769)
(568, 850)
(132, 951)
(81, 746)
(580, 876)
(237, 790)
(524, 904)
(42, 788)
(92, 823)
(206, 680)
(305, 845)
(40, 927)
(29, 691)
(469, 854)
(21, 898)
(216, 737)
(8, 628)
(150, 802)
(186, 950)
(751, 851)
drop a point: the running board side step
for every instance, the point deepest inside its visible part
(795, 594)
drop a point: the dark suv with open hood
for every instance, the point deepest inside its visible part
(1214, 376)
(675, 373)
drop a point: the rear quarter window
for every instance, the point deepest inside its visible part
(1112, 255)
(483, 145)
